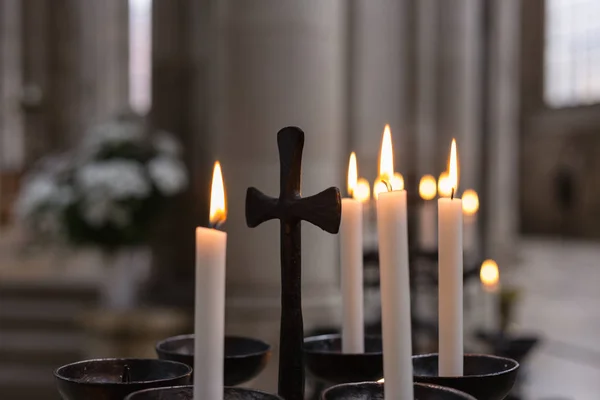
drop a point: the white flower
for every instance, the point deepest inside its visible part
(168, 174)
(166, 144)
(99, 211)
(42, 193)
(117, 179)
(113, 133)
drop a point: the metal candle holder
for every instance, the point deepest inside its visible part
(115, 378)
(245, 358)
(485, 377)
(374, 391)
(187, 393)
(325, 361)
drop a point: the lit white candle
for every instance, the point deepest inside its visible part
(395, 288)
(490, 278)
(470, 204)
(427, 213)
(351, 257)
(209, 324)
(450, 229)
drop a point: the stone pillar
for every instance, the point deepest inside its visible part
(178, 107)
(11, 129)
(75, 67)
(380, 75)
(39, 137)
(102, 59)
(461, 88)
(502, 199)
(427, 90)
(277, 64)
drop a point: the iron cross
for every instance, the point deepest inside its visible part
(323, 210)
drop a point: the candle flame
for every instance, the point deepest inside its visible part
(379, 186)
(470, 202)
(489, 274)
(444, 187)
(386, 157)
(397, 181)
(352, 174)
(218, 209)
(362, 192)
(453, 167)
(427, 187)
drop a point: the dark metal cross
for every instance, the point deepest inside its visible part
(323, 210)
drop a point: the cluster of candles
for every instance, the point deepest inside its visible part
(392, 226)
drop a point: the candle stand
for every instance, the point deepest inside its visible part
(374, 391)
(485, 377)
(245, 358)
(113, 378)
(187, 393)
(325, 361)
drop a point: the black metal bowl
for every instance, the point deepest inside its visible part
(485, 377)
(374, 391)
(245, 358)
(115, 378)
(187, 393)
(325, 361)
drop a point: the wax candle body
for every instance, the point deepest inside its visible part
(450, 227)
(470, 235)
(427, 225)
(491, 309)
(209, 324)
(351, 258)
(395, 295)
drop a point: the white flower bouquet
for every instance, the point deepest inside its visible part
(109, 189)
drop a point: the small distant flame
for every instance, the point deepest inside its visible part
(362, 192)
(427, 187)
(352, 174)
(444, 186)
(397, 181)
(218, 209)
(489, 274)
(470, 202)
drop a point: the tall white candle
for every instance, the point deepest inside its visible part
(450, 228)
(470, 201)
(351, 257)
(490, 287)
(395, 288)
(209, 322)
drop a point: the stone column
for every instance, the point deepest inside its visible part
(11, 129)
(461, 88)
(427, 90)
(379, 81)
(178, 107)
(76, 68)
(502, 199)
(277, 64)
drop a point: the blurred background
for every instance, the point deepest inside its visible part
(112, 113)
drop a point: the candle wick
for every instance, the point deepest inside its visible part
(452, 194)
(217, 224)
(387, 184)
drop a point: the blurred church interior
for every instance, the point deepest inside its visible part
(517, 83)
